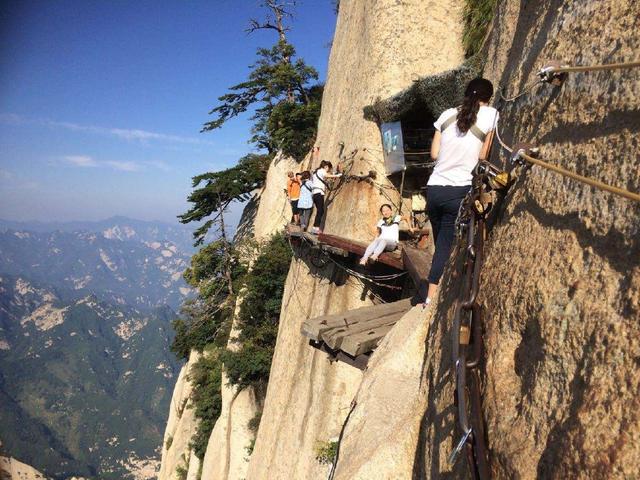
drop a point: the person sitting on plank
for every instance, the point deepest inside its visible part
(388, 235)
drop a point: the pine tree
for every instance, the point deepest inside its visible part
(279, 85)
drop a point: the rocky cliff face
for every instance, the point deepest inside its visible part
(559, 283)
(560, 287)
(228, 450)
(562, 332)
(181, 425)
(12, 469)
(378, 48)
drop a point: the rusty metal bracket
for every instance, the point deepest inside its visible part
(548, 74)
(523, 148)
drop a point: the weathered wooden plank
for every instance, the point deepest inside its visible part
(417, 262)
(335, 250)
(334, 337)
(366, 341)
(359, 362)
(313, 327)
(393, 259)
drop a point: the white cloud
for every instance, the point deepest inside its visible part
(84, 161)
(134, 134)
(123, 166)
(80, 161)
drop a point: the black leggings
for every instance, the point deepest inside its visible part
(318, 201)
(443, 203)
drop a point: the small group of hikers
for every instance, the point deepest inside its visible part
(463, 137)
(306, 190)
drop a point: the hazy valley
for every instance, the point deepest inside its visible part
(85, 368)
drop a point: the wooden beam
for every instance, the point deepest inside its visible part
(366, 341)
(335, 337)
(417, 262)
(359, 361)
(313, 327)
(393, 259)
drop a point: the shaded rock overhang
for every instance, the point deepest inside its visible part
(433, 93)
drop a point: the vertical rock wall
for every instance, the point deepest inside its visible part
(227, 455)
(274, 211)
(180, 428)
(560, 284)
(378, 48)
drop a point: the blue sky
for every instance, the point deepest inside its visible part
(101, 102)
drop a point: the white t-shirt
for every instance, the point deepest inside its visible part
(317, 179)
(459, 152)
(390, 232)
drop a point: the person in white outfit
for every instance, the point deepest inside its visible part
(463, 136)
(319, 179)
(388, 235)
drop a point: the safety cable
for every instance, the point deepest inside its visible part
(524, 91)
(588, 68)
(522, 154)
(589, 181)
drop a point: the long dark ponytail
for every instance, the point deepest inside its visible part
(478, 90)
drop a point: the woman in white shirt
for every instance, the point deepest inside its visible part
(463, 136)
(319, 177)
(388, 235)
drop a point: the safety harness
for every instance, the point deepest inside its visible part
(475, 130)
(315, 174)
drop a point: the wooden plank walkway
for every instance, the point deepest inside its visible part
(417, 262)
(351, 336)
(344, 246)
(393, 259)
(357, 331)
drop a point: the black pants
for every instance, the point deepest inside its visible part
(318, 201)
(443, 203)
(294, 209)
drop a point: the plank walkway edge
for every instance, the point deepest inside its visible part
(313, 327)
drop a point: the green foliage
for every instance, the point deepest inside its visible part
(292, 125)
(249, 448)
(181, 470)
(208, 269)
(258, 318)
(214, 191)
(200, 325)
(206, 377)
(208, 318)
(476, 16)
(254, 423)
(168, 443)
(326, 452)
(275, 78)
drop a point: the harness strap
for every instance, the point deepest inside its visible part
(475, 130)
(318, 177)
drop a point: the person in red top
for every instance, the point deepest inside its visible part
(293, 194)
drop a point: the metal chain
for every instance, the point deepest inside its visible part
(467, 326)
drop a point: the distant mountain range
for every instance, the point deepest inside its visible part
(116, 228)
(117, 262)
(86, 374)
